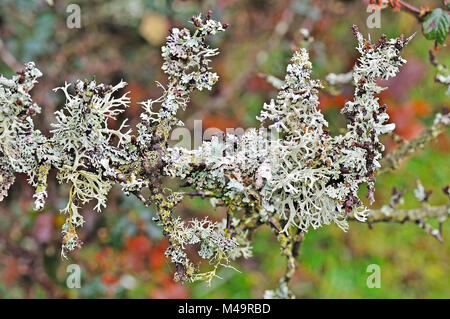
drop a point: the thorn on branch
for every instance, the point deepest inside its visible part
(141, 197)
(429, 229)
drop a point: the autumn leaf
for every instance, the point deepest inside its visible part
(138, 245)
(109, 279)
(406, 117)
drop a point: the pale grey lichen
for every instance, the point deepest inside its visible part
(281, 292)
(289, 173)
(186, 62)
(338, 79)
(22, 147)
(305, 177)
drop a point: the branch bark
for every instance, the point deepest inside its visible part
(404, 215)
(419, 13)
(392, 160)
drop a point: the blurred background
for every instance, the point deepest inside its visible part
(123, 251)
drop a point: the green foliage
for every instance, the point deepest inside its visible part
(436, 25)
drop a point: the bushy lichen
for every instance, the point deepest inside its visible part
(22, 146)
(305, 177)
(289, 174)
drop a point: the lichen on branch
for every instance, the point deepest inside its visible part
(289, 173)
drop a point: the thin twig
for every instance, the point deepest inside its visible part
(392, 160)
(8, 58)
(404, 215)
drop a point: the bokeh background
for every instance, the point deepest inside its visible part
(123, 251)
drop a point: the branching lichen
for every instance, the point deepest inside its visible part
(289, 174)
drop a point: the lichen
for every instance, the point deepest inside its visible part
(290, 173)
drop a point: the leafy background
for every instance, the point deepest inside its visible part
(123, 252)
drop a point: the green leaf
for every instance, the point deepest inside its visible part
(436, 25)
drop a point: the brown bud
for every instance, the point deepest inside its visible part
(31, 111)
(122, 178)
(355, 29)
(197, 22)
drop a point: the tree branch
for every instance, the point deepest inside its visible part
(392, 160)
(8, 58)
(404, 215)
(419, 13)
